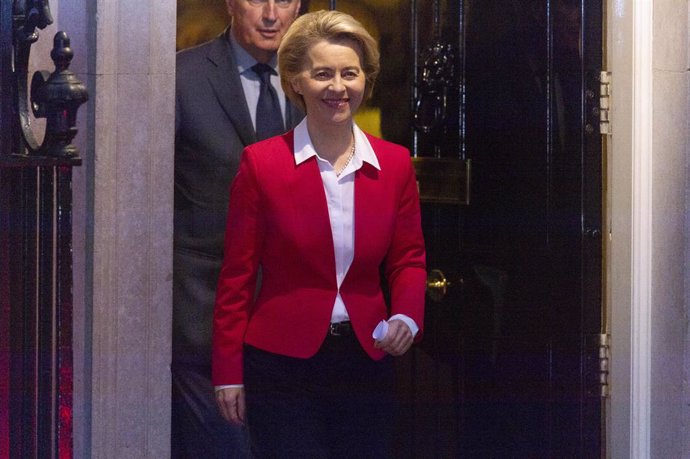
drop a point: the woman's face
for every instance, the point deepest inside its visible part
(332, 81)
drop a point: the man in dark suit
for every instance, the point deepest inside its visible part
(219, 97)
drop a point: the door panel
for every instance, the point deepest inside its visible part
(508, 365)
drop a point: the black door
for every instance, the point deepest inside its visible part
(508, 151)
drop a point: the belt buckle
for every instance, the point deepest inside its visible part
(336, 329)
(333, 329)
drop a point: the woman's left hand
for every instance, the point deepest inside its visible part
(398, 339)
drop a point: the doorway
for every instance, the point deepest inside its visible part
(498, 102)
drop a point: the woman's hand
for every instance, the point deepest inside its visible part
(230, 402)
(398, 339)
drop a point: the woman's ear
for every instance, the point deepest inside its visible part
(296, 86)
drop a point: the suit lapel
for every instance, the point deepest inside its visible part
(225, 80)
(308, 186)
(367, 187)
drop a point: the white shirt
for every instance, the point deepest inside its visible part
(340, 196)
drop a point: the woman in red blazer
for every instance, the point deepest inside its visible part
(318, 212)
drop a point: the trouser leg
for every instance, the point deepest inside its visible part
(337, 404)
(197, 429)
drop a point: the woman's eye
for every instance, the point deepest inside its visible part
(322, 75)
(350, 75)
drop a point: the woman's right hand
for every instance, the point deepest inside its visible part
(230, 402)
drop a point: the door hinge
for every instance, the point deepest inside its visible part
(604, 358)
(604, 102)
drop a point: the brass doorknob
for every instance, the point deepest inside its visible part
(436, 285)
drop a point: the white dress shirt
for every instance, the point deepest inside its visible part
(340, 196)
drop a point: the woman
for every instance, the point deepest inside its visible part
(319, 210)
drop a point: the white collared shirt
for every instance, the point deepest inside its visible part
(340, 196)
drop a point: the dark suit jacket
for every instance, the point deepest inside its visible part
(212, 126)
(279, 220)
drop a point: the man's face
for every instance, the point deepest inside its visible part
(259, 25)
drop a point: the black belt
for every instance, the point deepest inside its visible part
(340, 328)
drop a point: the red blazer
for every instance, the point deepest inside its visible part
(278, 220)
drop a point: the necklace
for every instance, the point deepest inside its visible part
(349, 158)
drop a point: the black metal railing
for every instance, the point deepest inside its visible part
(36, 238)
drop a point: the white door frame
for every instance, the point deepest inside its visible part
(629, 220)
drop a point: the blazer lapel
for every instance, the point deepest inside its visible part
(309, 193)
(225, 80)
(367, 210)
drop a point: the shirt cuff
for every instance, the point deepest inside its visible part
(227, 386)
(409, 321)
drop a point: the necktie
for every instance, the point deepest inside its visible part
(269, 120)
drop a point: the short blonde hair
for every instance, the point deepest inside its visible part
(311, 28)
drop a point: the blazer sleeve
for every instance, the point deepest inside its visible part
(405, 264)
(245, 232)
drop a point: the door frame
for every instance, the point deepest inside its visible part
(629, 221)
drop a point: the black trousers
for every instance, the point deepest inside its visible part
(338, 404)
(198, 431)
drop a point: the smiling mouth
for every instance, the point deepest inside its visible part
(336, 103)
